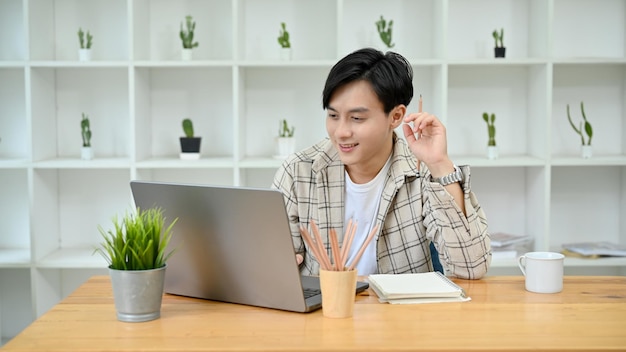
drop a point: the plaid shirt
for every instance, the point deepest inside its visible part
(413, 211)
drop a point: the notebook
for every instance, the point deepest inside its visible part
(232, 244)
(428, 287)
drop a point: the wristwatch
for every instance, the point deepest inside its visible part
(455, 176)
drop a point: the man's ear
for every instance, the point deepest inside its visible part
(397, 115)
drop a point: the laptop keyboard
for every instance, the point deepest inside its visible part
(310, 292)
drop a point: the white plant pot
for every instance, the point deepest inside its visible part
(285, 146)
(586, 151)
(285, 54)
(187, 54)
(84, 54)
(86, 153)
(492, 152)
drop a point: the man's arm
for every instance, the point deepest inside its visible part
(461, 238)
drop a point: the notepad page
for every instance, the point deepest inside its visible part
(419, 285)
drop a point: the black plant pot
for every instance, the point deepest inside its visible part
(500, 52)
(189, 147)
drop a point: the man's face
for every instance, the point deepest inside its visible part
(360, 130)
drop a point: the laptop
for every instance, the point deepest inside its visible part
(232, 244)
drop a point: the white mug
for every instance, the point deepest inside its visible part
(543, 271)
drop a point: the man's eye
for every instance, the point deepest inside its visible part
(356, 118)
(332, 116)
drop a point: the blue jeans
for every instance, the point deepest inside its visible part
(435, 258)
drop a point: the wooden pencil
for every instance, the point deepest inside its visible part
(314, 247)
(363, 247)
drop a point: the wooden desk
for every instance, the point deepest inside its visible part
(590, 314)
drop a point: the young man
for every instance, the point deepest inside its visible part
(364, 173)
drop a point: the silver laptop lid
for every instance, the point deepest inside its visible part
(233, 244)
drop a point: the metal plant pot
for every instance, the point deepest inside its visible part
(138, 293)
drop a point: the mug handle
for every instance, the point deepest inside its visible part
(521, 262)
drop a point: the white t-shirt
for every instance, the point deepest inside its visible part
(362, 201)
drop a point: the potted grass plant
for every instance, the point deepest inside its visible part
(135, 250)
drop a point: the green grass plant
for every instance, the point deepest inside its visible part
(138, 241)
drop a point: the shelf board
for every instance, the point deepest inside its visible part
(12, 64)
(497, 62)
(76, 163)
(286, 63)
(513, 160)
(589, 60)
(180, 63)
(73, 258)
(601, 160)
(15, 163)
(176, 163)
(14, 258)
(78, 64)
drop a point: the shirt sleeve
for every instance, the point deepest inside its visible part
(462, 241)
(284, 181)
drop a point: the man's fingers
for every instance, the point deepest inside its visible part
(408, 133)
(299, 258)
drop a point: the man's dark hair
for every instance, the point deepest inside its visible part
(390, 75)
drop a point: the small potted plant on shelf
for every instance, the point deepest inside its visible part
(189, 144)
(84, 53)
(385, 30)
(187, 37)
(283, 40)
(586, 150)
(136, 253)
(492, 148)
(86, 153)
(285, 140)
(499, 49)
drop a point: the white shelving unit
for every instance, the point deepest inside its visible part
(136, 91)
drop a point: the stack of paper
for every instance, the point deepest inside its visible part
(508, 246)
(429, 287)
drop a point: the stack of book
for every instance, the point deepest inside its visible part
(413, 288)
(509, 246)
(594, 249)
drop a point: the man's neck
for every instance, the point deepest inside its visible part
(364, 173)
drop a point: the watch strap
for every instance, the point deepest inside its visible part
(453, 177)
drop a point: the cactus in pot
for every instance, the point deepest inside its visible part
(499, 49)
(286, 142)
(84, 52)
(283, 129)
(189, 144)
(86, 152)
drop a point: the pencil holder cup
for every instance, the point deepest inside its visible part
(338, 293)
